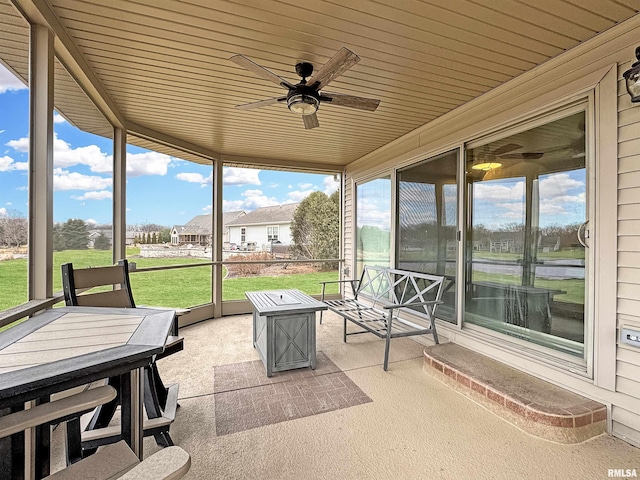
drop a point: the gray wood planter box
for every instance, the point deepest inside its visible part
(284, 329)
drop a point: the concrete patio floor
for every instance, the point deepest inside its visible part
(414, 427)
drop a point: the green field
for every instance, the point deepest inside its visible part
(177, 288)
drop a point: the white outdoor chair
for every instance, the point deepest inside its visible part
(115, 461)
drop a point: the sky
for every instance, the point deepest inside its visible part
(160, 189)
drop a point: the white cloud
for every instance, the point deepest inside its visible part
(298, 196)
(9, 203)
(64, 156)
(8, 164)
(232, 205)
(207, 209)
(147, 163)
(305, 186)
(94, 195)
(557, 185)
(8, 81)
(240, 176)
(3, 212)
(20, 145)
(65, 180)
(91, 221)
(496, 192)
(57, 118)
(377, 216)
(193, 177)
(330, 185)
(257, 199)
(190, 177)
(514, 211)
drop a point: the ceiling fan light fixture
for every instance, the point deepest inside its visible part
(302, 104)
(486, 166)
(632, 79)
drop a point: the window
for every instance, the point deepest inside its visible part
(243, 234)
(373, 223)
(272, 234)
(427, 223)
(525, 256)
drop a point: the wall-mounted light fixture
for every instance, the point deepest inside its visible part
(632, 79)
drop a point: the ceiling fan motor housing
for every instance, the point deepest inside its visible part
(304, 69)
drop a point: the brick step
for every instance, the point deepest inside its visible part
(533, 405)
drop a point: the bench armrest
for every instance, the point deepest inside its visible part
(353, 282)
(166, 464)
(412, 304)
(57, 410)
(338, 281)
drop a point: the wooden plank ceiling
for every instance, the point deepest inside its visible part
(165, 64)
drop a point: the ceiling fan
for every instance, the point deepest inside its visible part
(490, 159)
(305, 97)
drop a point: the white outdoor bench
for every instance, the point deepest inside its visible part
(383, 297)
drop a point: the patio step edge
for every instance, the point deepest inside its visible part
(515, 396)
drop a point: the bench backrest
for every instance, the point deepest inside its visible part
(389, 285)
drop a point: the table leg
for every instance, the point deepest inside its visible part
(131, 409)
(42, 446)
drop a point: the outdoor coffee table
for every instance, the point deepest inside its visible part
(284, 328)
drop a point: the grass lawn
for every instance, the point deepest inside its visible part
(179, 288)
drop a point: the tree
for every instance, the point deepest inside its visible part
(59, 242)
(154, 238)
(14, 229)
(164, 235)
(75, 234)
(102, 242)
(315, 228)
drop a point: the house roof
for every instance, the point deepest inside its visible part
(201, 224)
(277, 214)
(161, 70)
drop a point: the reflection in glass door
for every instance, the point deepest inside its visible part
(525, 258)
(428, 223)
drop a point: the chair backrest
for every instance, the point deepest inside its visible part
(97, 286)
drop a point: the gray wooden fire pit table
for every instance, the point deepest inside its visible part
(284, 328)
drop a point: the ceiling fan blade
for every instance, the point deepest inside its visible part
(261, 103)
(369, 104)
(310, 121)
(261, 71)
(524, 155)
(506, 149)
(342, 61)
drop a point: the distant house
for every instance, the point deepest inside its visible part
(549, 243)
(197, 231)
(95, 233)
(263, 226)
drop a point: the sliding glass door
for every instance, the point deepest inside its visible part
(428, 223)
(525, 262)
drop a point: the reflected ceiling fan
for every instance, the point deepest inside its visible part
(489, 160)
(305, 97)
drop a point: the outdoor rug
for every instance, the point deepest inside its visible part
(246, 398)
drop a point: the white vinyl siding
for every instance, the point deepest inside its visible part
(625, 420)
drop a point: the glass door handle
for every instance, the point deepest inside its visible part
(583, 234)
